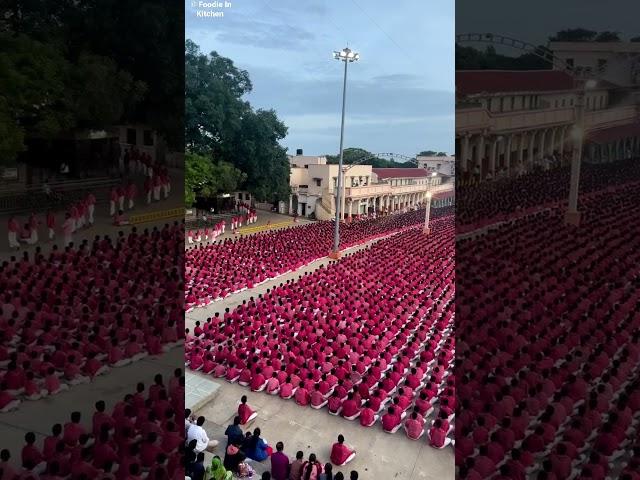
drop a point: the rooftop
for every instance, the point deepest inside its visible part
(401, 172)
(473, 82)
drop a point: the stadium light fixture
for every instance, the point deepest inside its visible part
(347, 56)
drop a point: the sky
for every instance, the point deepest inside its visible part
(400, 95)
(535, 22)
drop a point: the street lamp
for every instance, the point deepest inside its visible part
(427, 214)
(572, 215)
(347, 56)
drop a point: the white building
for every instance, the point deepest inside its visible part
(507, 122)
(366, 189)
(444, 165)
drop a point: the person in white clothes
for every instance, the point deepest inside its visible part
(196, 432)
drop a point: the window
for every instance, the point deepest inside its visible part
(147, 138)
(513, 102)
(132, 136)
(318, 182)
(570, 62)
(563, 102)
(602, 63)
(247, 196)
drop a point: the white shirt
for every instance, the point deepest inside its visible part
(198, 433)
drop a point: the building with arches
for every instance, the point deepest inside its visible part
(510, 122)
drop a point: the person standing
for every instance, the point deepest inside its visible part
(113, 198)
(51, 224)
(13, 228)
(132, 191)
(279, 463)
(67, 229)
(147, 189)
(33, 227)
(91, 206)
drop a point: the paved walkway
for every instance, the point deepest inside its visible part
(103, 222)
(380, 455)
(40, 415)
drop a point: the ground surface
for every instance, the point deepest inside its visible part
(379, 455)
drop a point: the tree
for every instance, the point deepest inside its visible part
(427, 153)
(608, 36)
(206, 178)
(220, 123)
(574, 35)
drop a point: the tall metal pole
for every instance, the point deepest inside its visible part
(572, 216)
(336, 233)
(427, 214)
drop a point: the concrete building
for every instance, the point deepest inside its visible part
(509, 122)
(443, 165)
(313, 183)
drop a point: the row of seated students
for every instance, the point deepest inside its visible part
(549, 344)
(139, 437)
(489, 202)
(73, 314)
(368, 337)
(217, 270)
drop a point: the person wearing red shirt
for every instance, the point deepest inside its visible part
(51, 224)
(72, 430)
(31, 456)
(302, 395)
(438, 435)
(367, 416)
(245, 412)
(258, 381)
(350, 408)
(341, 454)
(50, 442)
(391, 420)
(132, 191)
(13, 228)
(414, 427)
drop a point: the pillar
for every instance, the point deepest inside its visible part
(507, 154)
(492, 158)
(532, 139)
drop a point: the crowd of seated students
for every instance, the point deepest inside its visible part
(217, 270)
(489, 202)
(69, 316)
(368, 337)
(138, 437)
(548, 345)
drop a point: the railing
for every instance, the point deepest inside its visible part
(479, 119)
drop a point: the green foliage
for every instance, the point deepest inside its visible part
(67, 65)
(470, 58)
(608, 36)
(574, 35)
(206, 178)
(361, 156)
(221, 124)
(432, 153)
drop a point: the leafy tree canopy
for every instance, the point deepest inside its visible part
(207, 178)
(221, 124)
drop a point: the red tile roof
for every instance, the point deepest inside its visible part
(400, 172)
(470, 82)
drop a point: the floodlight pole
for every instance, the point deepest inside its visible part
(572, 215)
(427, 214)
(344, 56)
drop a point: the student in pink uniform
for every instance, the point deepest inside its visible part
(51, 224)
(341, 454)
(13, 229)
(68, 228)
(132, 191)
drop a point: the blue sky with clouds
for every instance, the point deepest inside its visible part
(400, 96)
